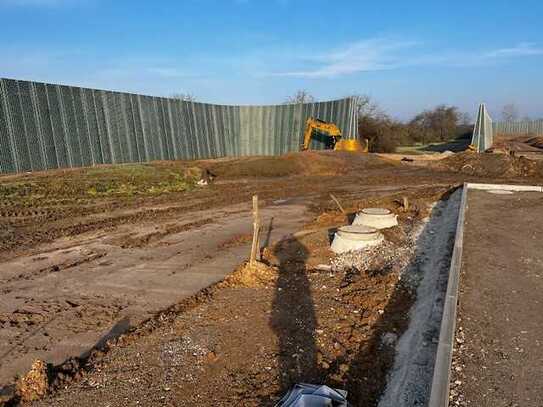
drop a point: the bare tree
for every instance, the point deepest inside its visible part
(382, 132)
(465, 119)
(510, 112)
(365, 107)
(185, 97)
(301, 96)
(438, 124)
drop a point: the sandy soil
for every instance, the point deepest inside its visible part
(415, 158)
(499, 350)
(88, 254)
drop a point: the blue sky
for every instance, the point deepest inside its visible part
(408, 56)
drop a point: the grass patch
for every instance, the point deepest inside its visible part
(102, 182)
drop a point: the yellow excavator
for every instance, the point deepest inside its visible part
(332, 131)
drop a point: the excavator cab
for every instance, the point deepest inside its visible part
(333, 133)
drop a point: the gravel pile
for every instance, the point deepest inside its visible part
(387, 256)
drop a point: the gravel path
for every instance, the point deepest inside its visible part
(499, 346)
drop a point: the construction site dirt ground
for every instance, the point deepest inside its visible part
(116, 258)
(499, 347)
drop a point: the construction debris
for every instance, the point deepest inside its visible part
(310, 395)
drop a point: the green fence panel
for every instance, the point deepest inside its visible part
(45, 126)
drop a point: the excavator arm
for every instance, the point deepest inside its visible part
(313, 124)
(334, 133)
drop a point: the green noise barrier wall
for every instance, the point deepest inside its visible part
(483, 134)
(45, 126)
(519, 128)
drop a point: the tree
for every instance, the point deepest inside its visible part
(301, 96)
(465, 119)
(464, 129)
(382, 132)
(436, 125)
(185, 97)
(510, 112)
(365, 106)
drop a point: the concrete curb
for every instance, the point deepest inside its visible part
(520, 188)
(439, 396)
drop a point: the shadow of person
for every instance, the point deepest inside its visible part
(293, 317)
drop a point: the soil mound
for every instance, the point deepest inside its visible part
(259, 275)
(306, 163)
(536, 141)
(492, 165)
(528, 142)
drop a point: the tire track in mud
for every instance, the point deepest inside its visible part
(143, 271)
(54, 268)
(69, 217)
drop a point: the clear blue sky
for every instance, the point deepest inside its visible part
(407, 55)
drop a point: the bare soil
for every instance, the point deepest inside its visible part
(253, 338)
(528, 146)
(493, 165)
(89, 254)
(499, 350)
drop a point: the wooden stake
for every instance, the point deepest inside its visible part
(255, 247)
(405, 204)
(337, 203)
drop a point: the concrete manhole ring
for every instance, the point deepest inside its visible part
(380, 218)
(358, 232)
(376, 211)
(355, 237)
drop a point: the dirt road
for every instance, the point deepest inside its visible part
(80, 291)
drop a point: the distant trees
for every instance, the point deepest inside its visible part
(510, 112)
(381, 131)
(185, 97)
(438, 124)
(385, 134)
(466, 119)
(301, 96)
(365, 106)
